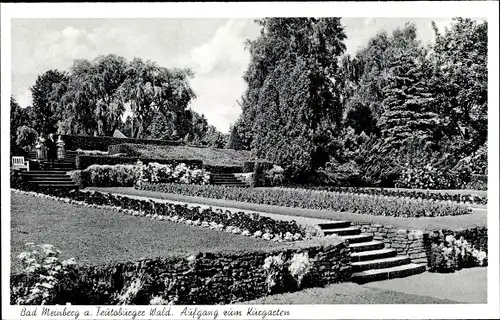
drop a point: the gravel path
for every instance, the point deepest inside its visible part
(477, 218)
(466, 285)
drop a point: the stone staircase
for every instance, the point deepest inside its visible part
(226, 179)
(370, 260)
(51, 176)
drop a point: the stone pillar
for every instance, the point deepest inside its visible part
(61, 151)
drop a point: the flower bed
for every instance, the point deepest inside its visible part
(160, 173)
(202, 278)
(450, 254)
(323, 200)
(233, 222)
(435, 196)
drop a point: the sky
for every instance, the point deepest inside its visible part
(213, 48)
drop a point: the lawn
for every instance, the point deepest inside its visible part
(477, 218)
(97, 236)
(210, 156)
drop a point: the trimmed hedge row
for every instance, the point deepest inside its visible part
(84, 161)
(102, 143)
(202, 278)
(410, 194)
(322, 200)
(478, 182)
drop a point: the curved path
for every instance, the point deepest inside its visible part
(477, 218)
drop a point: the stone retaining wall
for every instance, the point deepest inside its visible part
(213, 277)
(404, 241)
(417, 243)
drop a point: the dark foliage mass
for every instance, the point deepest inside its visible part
(396, 112)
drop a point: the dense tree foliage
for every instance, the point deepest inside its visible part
(395, 104)
(292, 105)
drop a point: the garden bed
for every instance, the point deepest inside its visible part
(322, 200)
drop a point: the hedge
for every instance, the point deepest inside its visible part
(102, 143)
(478, 182)
(318, 200)
(84, 161)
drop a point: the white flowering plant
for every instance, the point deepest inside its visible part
(274, 267)
(299, 267)
(454, 254)
(165, 173)
(43, 271)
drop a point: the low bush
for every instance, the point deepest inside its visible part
(84, 161)
(336, 174)
(248, 166)
(451, 254)
(477, 182)
(110, 176)
(259, 176)
(428, 177)
(102, 143)
(76, 176)
(16, 179)
(161, 173)
(323, 200)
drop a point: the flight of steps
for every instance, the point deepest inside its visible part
(370, 260)
(51, 175)
(226, 179)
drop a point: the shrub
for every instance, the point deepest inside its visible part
(321, 200)
(248, 166)
(452, 254)
(26, 138)
(84, 161)
(16, 179)
(76, 176)
(477, 182)
(102, 143)
(274, 176)
(161, 173)
(428, 177)
(334, 173)
(110, 176)
(259, 176)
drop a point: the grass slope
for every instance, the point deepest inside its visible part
(210, 156)
(95, 236)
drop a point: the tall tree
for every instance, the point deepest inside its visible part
(19, 117)
(44, 116)
(293, 100)
(408, 102)
(461, 78)
(149, 88)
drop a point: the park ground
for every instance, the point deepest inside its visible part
(97, 236)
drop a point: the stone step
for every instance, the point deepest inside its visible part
(225, 179)
(373, 254)
(334, 224)
(388, 273)
(358, 238)
(57, 185)
(229, 183)
(50, 177)
(366, 246)
(380, 263)
(343, 231)
(44, 172)
(51, 181)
